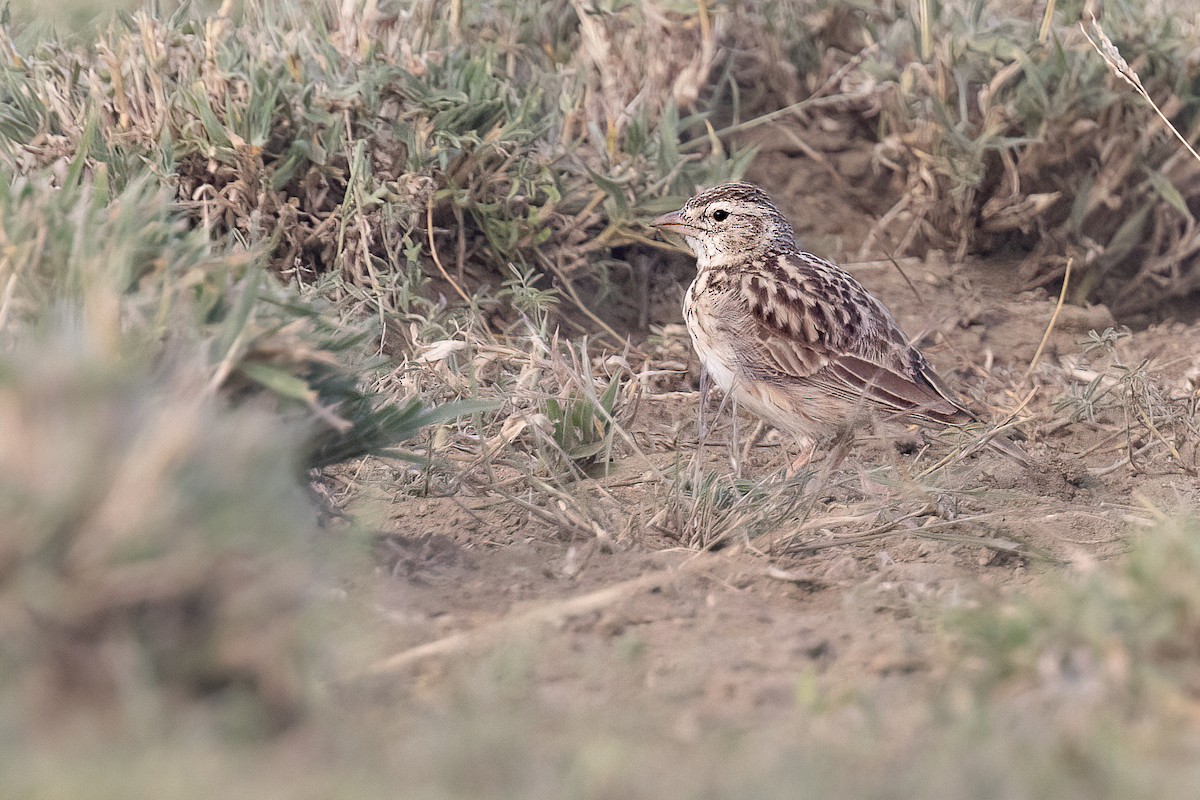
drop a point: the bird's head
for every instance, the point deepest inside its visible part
(729, 223)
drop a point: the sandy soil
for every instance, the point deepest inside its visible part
(726, 635)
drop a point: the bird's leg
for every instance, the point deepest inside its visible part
(803, 460)
(839, 447)
(843, 440)
(730, 396)
(701, 422)
(752, 440)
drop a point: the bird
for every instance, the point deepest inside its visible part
(794, 337)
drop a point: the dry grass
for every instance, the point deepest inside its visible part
(363, 144)
(996, 140)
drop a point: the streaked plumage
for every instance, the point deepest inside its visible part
(795, 338)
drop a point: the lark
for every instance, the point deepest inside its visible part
(794, 338)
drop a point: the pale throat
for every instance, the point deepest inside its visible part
(709, 253)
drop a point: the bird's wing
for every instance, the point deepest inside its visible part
(815, 325)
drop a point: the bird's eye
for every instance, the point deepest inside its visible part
(720, 215)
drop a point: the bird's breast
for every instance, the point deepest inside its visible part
(708, 325)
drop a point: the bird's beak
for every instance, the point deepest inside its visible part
(672, 222)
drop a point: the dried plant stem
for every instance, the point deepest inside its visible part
(455, 23)
(834, 80)
(926, 30)
(1148, 421)
(554, 613)
(1100, 472)
(436, 258)
(1062, 296)
(1117, 63)
(983, 440)
(1047, 21)
(787, 542)
(567, 286)
(6, 301)
(706, 34)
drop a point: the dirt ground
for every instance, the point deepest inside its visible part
(733, 634)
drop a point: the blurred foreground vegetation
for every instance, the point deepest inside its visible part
(224, 230)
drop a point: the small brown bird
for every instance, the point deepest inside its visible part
(793, 337)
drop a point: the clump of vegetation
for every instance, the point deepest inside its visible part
(366, 145)
(152, 538)
(122, 264)
(995, 130)
(1001, 139)
(162, 399)
(1145, 413)
(1119, 635)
